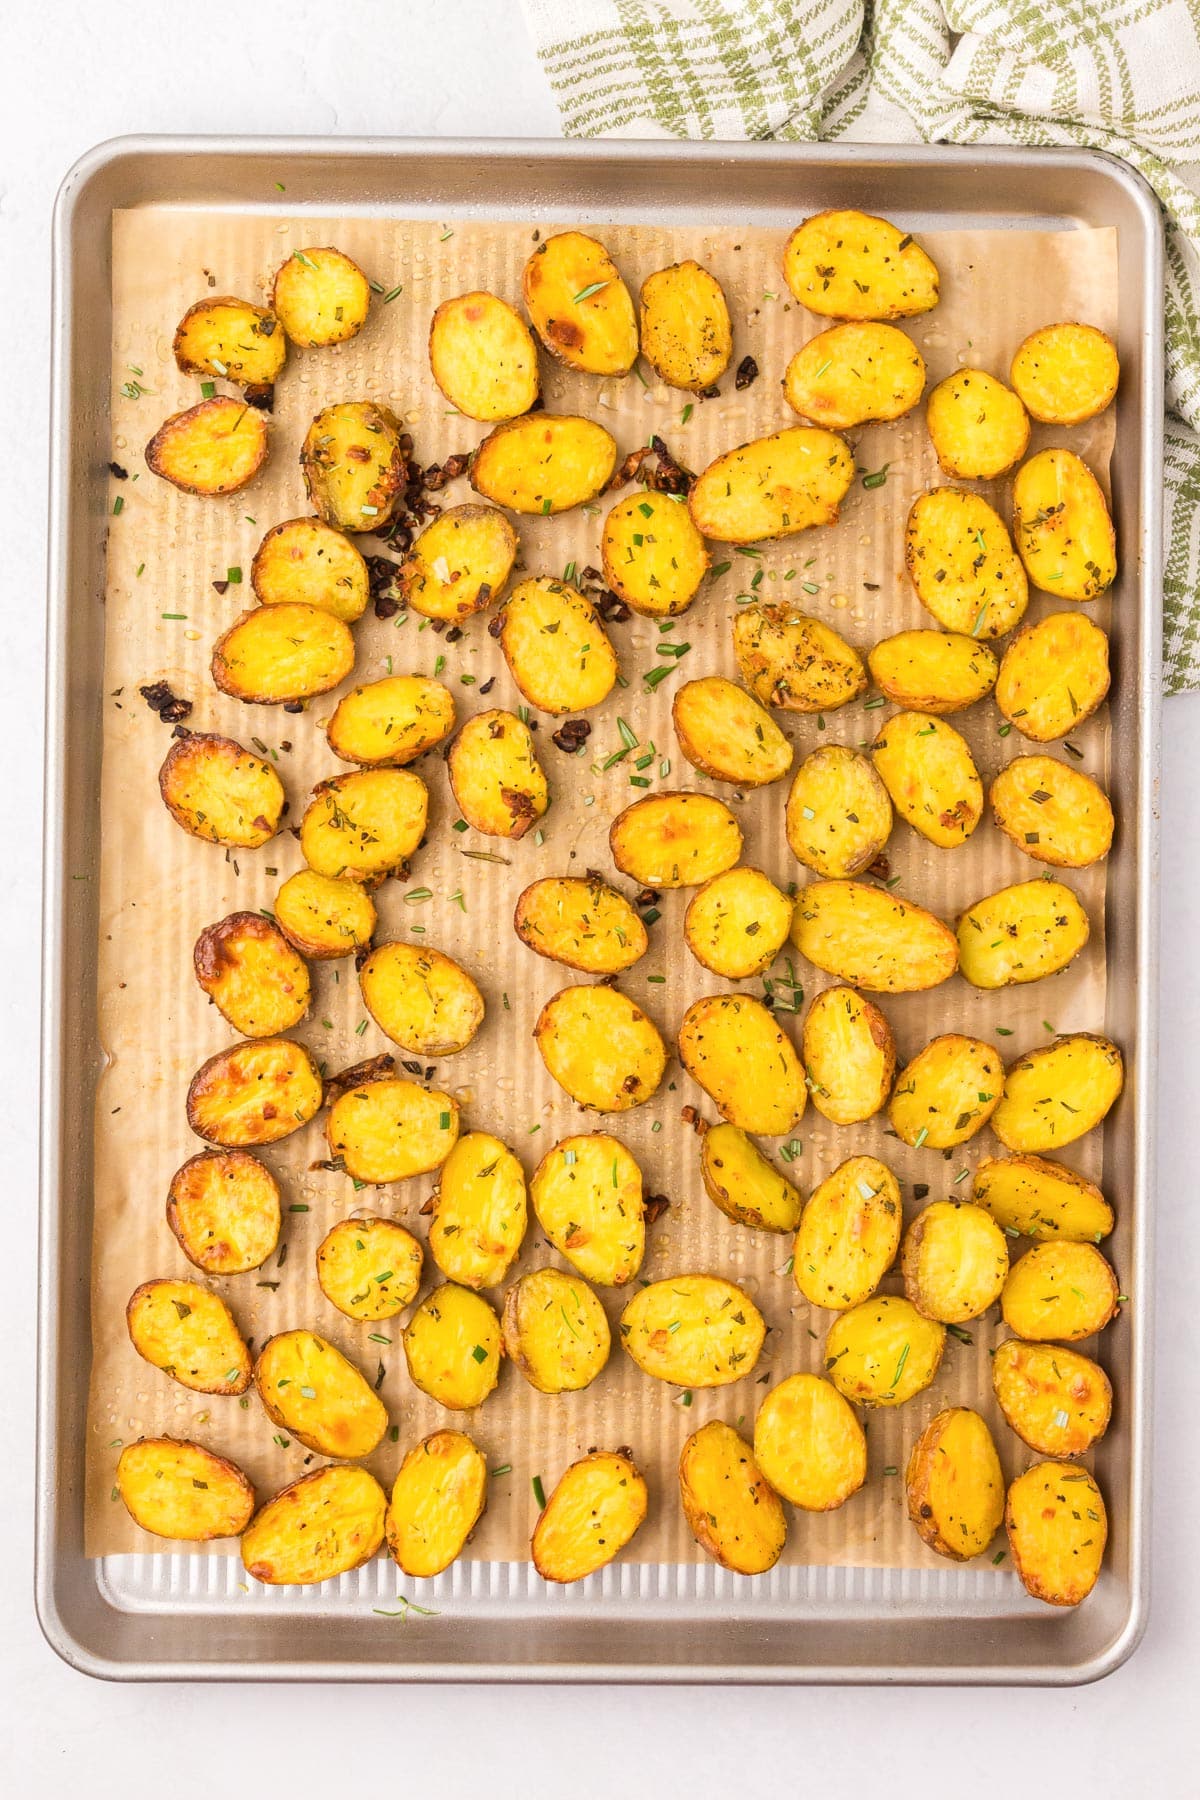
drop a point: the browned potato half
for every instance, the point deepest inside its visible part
(838, 815)
(1057, 1401)
(316, 1528)
(1060, 1291)
(223, 1207)
(437, 1500)
(730, 1510)
(745, 1062)
(587, 1195)
(795, 662)
(849, 1054)
(653, 557)
(579, 306)
(687, 337)
(954, 1261)
(1053, 676)
(498, 782)
(254, 1093)
(320, 297)
(556, 647)
(459, 564)
(421, 999)
(773, 486)
(1054, 1095)
(600, 1048)
(544, 463)
(978, 427)
(927, 768)
(1031, 1197)
(555, 1331)
(275, 655)
(369, 1268)
(324, 917)
(1062, 527)
(883, 1351)
(581, 922)
(1066, 373)
(390, 1129)
(355, 469)
(214, 448)
(180, 1490)
(693, 1330)
(366, 825)
(391, 721)
(312, 1391)
(726, 734)
(850, 265)
(452, 1347)
(306, 562)
(1057, 1530)
(235, 340)
(1056, 814)
(947, 1092)
(853, 374)
(848, 1235)
(480, 1212)
(872, 939)
(809, 1444)
(933, 671)
(1020, 934)
(589, 1518)
(961, 561)
(483, 357)
(954, 1485)
(737, 923)
(219, 792)
(190, 1335)
(744, 1185)
(252, 975)
(671, 840)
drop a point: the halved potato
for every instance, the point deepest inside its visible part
(882, 1352)
(190, 1335)
(727, 734)
(254, 1093)
(369, 1268)
(390, 1129)
(730, 1510)
(483, 357)
(235, 340)
(671, 840)
(795, 662)
(947, 1092)
(1056, 814)
(927, 768)
(1031, 1197)
(838, 815)
(223, 1207)
(745, 1062)
(653, 557)
(579, 306)
(848, 1234)
(744, 1185)
(316, 1528)
(954, 1485)
(693, 1330)
(556, 647)
(1060, 1291)
(1054, 1095)
(180, 1490)
(421, 999)
(809, 1444)
(355, 469)
(961, 561)
(872, 939)
(737, 923)
(324, 917)
(849, 1055)
(773, 486)
(954, 1261)
(480, 1212)
(306, 562)
(252, 975)
(933, 671)
(498, 782)
(1057, 1401)
(544, 463)
(600, 1048)
(459, 564)
(1057, 1529)
(978, 427)
(853, 374)
(1021, 933)
(851, 265)
(589, 1518)
(366, 825)
(214, 448)
(687, 337)
(587, 1195)
(219, 792)
(276, 655)
(438, 1498)
(1062, 527)
(1053, 676)
(391, 721)
(1066, 373)
(452, 1347)
(312, 1391)
(555, 1331)
(581, 922)
(320, 297)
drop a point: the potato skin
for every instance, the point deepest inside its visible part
(1062, 527)
(252, 975)
(452, 1347)
(1057, 1401)
(459, 564)
(726, 734)
(232, 338)
(366, 825)
(1021, 934)
(744, 1185)
(255, 1092)
(555, 1331)
(693, 1330)
(730, 1510)
(421, 999)
(211, 449)
(188, 1333)
(839, 816)
(687, 337)
(369, 1268)
(961, 561)
(882, 1352)
(581, 922)
(978, 427)
(483, 357)
(1066, 373)
(1059, 1291)
(848, 1235)
(556, 648)
(849, 1055)
(1055, 1094)
(747, 1065)
(947, 1092)
(954, 1485)
(1057, 1530)
(318, 1395)
(851, 265)
(871, 939)
(497, 779)
(307, 561)
(1028, 1196)
(588, 1198)
(480, 1212)
(600, 1048)
(809, 1444)
(579, 306)
(323, 916)
(737, 923)
(390, 1129)
(1053, 676)
(438, 1498)
(773, 486)
(673, 839)
(354, 465)
(219, 792)
(321, 297)
(275, 655)
(797, 663)
(933, 671)
(853, 374)
(179, 1490)
(1054, 814)
(391, 722)
(544, 463)
(223, 1206)
(652, 555)
(597, 1506)
(322, 1525)
(954, 1261)
(930, 774)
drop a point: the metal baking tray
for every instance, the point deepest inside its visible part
(188, 1617)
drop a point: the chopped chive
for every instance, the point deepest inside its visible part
(539, 1492)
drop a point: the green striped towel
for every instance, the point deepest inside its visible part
(1117, 75)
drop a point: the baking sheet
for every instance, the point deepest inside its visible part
(160, 888)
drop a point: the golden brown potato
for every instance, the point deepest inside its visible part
(320, 297)
(745, 1062)
(872, 939)
(544, 463)
(219, 792)
(795, 662)
(1054, 1095)
(687, 337)
(180, 1490)
(324, 917)
(306, 562)
(848, 1235)
(954, 1261)
(961, 561)
(726, 734)
(252, 975)
(355, 469)
(1031, 1197)
(954, 1485)
(366, 825)
(1053, 676)
(930, 774)
(737, 923)
(392, 721)
(452, 1347)
(1062, 527)
(556, 647)
(1056, 814)
(849, 1055)
(773, 487)
(438, 1498)
(483, 357)
(579, 306)
(850, 265)
(388, 1129)
(587, 1195)
(1059, 1291)
(214, 448)
(1066, 373)
(223, 1207)
(933, 671)
(947, 1092)
(459, 564)
(671, 840)
(853, 374)
(235, 340)
(589, 1518)
(693, 1330)
(480, 1212)
(498, 782)
(312, 1391)
(254, 1093)
(1057, 1529)
(730, 1510)
(316, 1528)
(882, 1352)
(809, 1444)
(190, 1335)
(600, 1048)
(838, 815)
(978, 427)
(276, 655)
(555, 1331)
(581, 922)
(1057, 1401)
(1020, 934)
(744, 1185)
(653, 557)
(421, 999)
(369, 1268)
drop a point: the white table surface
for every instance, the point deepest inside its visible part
(72, 74)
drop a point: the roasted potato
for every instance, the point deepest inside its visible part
(589, 1518)
(555, 646)
(849, 1055)
(730, 1510)
(954, 1261)
(687, 337)
(555, 1331)
(365, 825)
(838, 815)
(1053, 676)
(1060, 1291)
(483, 357)
(579, 306)
(190, 1335)
(452, 1347)
(872, 939)
(235, 340)
(600, 1048)
(276, 655)
(671, 840)
(854, 374)
(480, 1212)
(737, 923)
(1066, 373)
(1057, 1529)
(180, 1490)
(848, 1235)
(587, 1195)
(320, 297)
(795, 662)
(693, 1330)
(459, 564)
(1020, 934)
(954, 1485)
(369, 1268)
(961, 561)
(421, 999)
(929, 772)
(745, 1062)
(850, 265)
(311, 1390)
(1057, 1093)
(223, 1207)
(254, 1093)
(544, 463)
(316, 1528)
(809, 1444)
(324, 917)
(744, 1185)
(581, 922)
(947, 1092)
(388, 1129)
(252, 975)
(726, 734)
(882, 1352)
(978, 427)
(498, 782)
(438, 1498)
(653, 557)
(1031, 1197)
(1062, 528)
(214, 448)
(1057, 1401)
(355, 468)
(219, 792)
(306, 562)
(392, 721)
(1056, 814)
(933, 671)
(773, 486)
